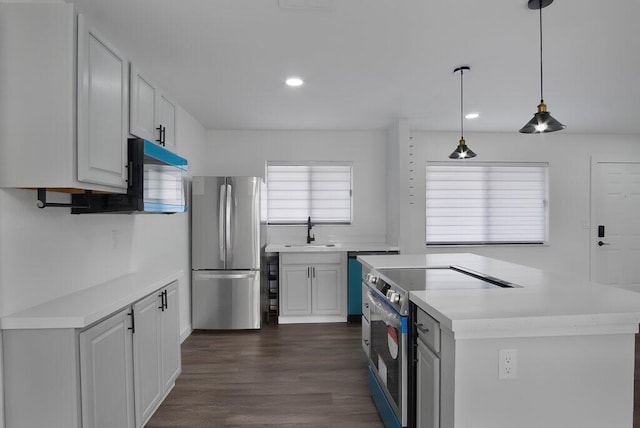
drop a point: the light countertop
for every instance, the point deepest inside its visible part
(546, 305)
(322, 247)
(83, 308)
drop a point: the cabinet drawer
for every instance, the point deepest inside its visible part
(310, 258)
(428, 330)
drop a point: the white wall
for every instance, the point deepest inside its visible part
(569, 157)
(47, 253)
(245, 153)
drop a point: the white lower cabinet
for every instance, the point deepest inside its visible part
(312, 287)
(106, 374)
(295, 290)
(113, 374)
(170, 338)
(427, 387)
(146, 354)
(156, 349)
(427, 370)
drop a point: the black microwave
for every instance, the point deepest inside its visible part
(156, 183)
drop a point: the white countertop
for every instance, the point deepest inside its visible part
(337, 246)
(546, 305)
(83, 308)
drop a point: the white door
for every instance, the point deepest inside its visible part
(615, 229)
(142, 111)
(295, 296)
(106, 374)
(146, 355)
(167, 120)
(102, 110)
(428, 388)
(326, 290)
(169, 328)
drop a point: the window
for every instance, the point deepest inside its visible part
(320, 190)
(486, 203)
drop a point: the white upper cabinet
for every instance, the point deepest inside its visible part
(152, 112)
(102, 109)
(62, 116)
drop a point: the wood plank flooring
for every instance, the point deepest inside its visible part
(303, 375)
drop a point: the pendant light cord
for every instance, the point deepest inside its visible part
(541, 96)
(461, 104)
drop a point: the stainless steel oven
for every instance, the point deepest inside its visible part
(388, 360)
(388, 342)
(387, 296)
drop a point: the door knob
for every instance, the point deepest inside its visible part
(600, 243)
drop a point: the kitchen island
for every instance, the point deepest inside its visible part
(570, 344)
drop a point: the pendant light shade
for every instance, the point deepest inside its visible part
(462, 151)
(542, 121)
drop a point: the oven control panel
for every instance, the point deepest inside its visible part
(390, 293)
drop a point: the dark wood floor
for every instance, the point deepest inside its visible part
(303, 375)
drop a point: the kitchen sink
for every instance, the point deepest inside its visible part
(310, 245)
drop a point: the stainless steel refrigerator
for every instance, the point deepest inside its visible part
(225, 252)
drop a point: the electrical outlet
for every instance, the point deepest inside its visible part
(507, 364)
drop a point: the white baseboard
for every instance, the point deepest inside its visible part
(311, 319)
(184, 334)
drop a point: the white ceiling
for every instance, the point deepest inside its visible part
(369, 62)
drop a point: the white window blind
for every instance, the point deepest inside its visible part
(486, 203)
(297, 191)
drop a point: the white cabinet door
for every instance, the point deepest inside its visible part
(326, 290)
(169, 328)
(427, 388)
(102, 109)
(106, 374)
(153, 113)
(295, 298)
(146, 355)
(167, 120)
(142, 117)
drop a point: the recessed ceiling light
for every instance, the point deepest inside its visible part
(294, 81)
(472, 116)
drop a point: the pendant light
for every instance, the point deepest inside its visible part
(462, 151)
(542, 121)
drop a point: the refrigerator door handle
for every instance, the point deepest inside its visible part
(227, 236)
(227, 275)
(221, 223)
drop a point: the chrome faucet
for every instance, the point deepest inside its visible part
(309, 226)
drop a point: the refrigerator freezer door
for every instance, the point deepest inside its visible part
(208, 203)
(243, 223)
(226, 300)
